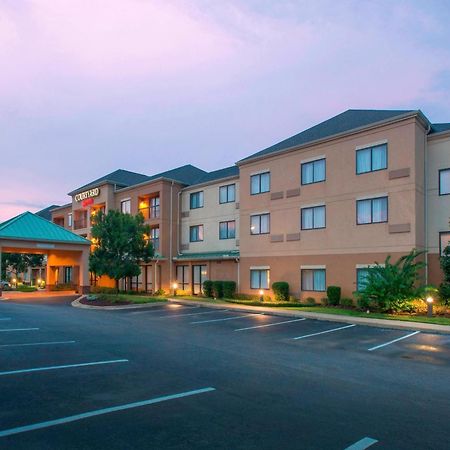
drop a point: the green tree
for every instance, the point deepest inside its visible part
(120, 243)
(19, 262)
(393, 286)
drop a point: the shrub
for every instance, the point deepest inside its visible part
(240, 296)
(24, 288)
(310, 301)
(324, 301)
(444, 293)
(229, 289)
(208, 288)
(334, 295)
(281, 291)
(217, 289)
(160, 293)
(345, 301)
(392, 287)
(103, 290)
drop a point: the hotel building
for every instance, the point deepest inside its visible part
(316, 209)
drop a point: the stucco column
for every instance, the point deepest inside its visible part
(84, 282)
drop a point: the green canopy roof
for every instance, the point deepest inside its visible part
(30, 227)
(230, 254)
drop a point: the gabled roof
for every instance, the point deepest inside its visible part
(31, 227)
(46, 212)
(227, 172)
(349, 120)
(120, 177)
(439, 127)
(187, 174)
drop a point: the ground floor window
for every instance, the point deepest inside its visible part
(67, 275)
(313, 280)
(199, 273)
(183, 277)
(259, 278)
(361, 278)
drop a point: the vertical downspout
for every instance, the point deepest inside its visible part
(179, 224)
(171, 235)
(238, 289)
(425, 166)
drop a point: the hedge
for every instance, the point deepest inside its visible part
(334, 295)
(208, 288)
(281, 291)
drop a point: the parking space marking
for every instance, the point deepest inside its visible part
(392, 342)
(37, 343)
(192, 314)
(227, 318)
(99, 412)
(67, 366)
(5, 318)
(158, 310)
(270, 324)
(18, 329)
(324, 332)
(362, 444)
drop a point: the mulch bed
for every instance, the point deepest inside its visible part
(99, 302)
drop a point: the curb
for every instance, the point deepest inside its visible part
(380, 323)
(77, 304)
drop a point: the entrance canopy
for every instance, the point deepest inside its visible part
(29, 233)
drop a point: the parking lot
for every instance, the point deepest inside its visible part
(177, 376)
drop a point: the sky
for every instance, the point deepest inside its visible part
(90, 86)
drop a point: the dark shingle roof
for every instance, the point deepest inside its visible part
(227, 172)
(187, 174)
(121, 177)
(46, 212)
(439, 127)
(344, 122)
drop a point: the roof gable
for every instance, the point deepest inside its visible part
(31, 227)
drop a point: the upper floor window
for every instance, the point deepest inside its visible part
(371, 159)
(69, 220)
(227, 230)
(444, 241)
(125, 206)
(196, 233)
(154, 207)
(372, 210)
(313, 217)
(196, 200)
(260, 224)
(154, 238)
(227, 194)
(313, 280)
(259, 278)
(444, 182)
(260, 183)
(314, 171)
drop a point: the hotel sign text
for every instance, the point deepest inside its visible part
(87, 194)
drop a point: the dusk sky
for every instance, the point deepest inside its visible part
(90, 86)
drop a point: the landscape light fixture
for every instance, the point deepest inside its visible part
(261, 293)
(430, 306)
(175, 287)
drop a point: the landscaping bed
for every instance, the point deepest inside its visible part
(120, 299)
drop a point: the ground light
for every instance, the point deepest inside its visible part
(430, 306)
(261, 293)
(174, 287)
(14, 280)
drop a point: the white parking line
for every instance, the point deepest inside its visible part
(192, 314)
(362, 444)
(5, 318)
(324, 332)
(99, 412)
(37, 343)
(18, 329)
(227, 318)
(270, 324)
(67, 366)
(157, 310)
(391, 342)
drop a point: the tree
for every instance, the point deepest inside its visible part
(393, 286)
(19, 262)
(120, 243)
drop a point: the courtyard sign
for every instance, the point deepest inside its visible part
(87, 194)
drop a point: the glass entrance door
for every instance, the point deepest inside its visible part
(199, 273)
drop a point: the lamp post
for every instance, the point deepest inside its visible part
(261, 294)
(175, 287)
(14, 280)
(430, 306)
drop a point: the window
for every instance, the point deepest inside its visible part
(371, 159)
(69, 220)
(154, 238)
(154, 207)
(227, 230)
(372, 210)
(196, 233)
(227, 193)
(183, 277)
(67, 275)
(125, 206)
(259, 279)
(196, 200)
(313, 280)
(361, 278)
(260, 183)
(199, 273)
(314, 171)
(444, 241)
(313, 217)
(260, 224)
(444, 182)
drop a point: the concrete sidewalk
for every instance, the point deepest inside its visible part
(381, 323)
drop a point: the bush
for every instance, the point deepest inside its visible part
(217, 289)
(24, 288)
(160, 293)
(345, 301)
(281, 291)
(444, 293)
(208, 288)
(310, 301)
(334, 295)
(324, 301)
(103, 290)
(240, 296)
(63, 287)
(229, 289)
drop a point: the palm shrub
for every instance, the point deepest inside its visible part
(393, 286)
(281, 291)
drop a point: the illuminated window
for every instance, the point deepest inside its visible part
(125, 206)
